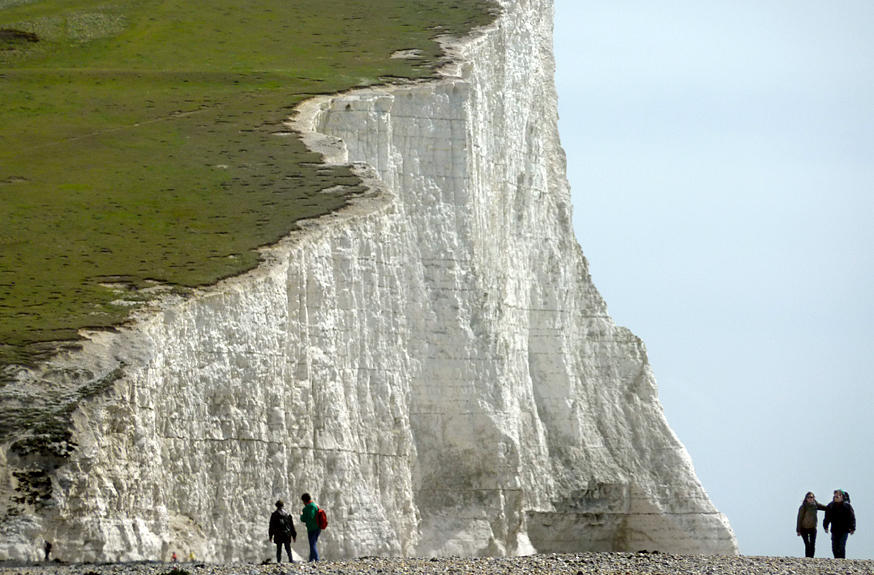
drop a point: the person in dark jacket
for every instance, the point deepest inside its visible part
(308, 516)
(805, 526)
(840, 515)
(282, 531)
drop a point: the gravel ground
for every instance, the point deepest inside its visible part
(580, 564)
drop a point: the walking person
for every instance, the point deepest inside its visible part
(308, 516)
(805, 526)
(840, 515)
(282, 531)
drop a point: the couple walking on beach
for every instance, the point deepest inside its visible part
(282, 531)
(839, 514)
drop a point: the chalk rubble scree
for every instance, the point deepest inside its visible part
(432, 363)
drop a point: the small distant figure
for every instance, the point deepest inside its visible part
(840, 515)
(48, 549)
(308, 516)
(191, 556)
(805, 527)
(173, 558)
(282, 531)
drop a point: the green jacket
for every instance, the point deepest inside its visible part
(309, 516)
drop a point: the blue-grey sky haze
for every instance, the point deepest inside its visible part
(721, 160)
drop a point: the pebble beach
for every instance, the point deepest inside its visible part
(564, 564)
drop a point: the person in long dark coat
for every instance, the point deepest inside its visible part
(282, 531)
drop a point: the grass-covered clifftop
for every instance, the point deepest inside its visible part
(141, 142)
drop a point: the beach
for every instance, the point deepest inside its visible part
(558, 564)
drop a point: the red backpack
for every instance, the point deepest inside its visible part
(321, 518)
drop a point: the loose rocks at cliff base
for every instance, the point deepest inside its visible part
(565, 564)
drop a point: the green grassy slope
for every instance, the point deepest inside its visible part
(141, 140)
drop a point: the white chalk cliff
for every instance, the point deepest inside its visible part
(432, 363)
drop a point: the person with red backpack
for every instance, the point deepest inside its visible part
(315, 520)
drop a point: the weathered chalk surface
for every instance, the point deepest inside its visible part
(433, 364)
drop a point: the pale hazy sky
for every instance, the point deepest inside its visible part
(721, 159)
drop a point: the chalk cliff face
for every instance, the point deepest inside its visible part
(433, 363)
